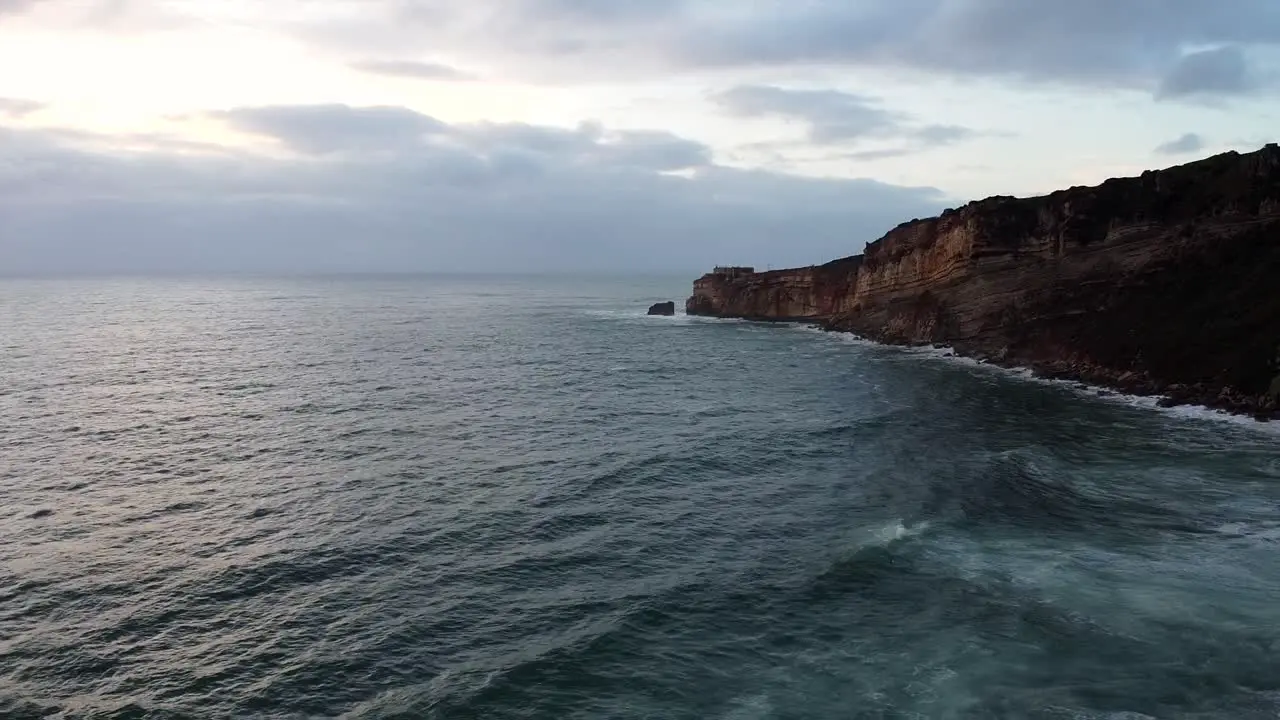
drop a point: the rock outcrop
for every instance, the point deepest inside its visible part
(1168, 283)
(663, 308)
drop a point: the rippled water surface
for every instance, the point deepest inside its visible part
(521, 498)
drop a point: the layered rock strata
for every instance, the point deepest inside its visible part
(1167, 283)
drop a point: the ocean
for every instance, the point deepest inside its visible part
(505, 497)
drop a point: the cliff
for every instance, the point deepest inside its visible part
(1168, 283)
(811, 293)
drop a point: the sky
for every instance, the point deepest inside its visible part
(584, 135)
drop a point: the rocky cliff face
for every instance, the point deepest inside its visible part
(1165, 283)
(811, 293)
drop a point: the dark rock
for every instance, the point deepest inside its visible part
(663, 308)
(41, 513)
(1164, 281)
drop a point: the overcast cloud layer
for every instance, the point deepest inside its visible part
(382, 189)
(583, 134)
(1148, 44)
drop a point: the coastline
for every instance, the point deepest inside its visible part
(1092, 389)
(1161, 286)
(1100, 380)
(1096, 380)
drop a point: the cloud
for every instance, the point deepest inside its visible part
(1188, 143)
(107, 15)
(593, 11)
(430, 196)
(654, 150)
(359, 132)
(17, 107)
(331, 128)
(1109, 43)
(412, 69)
(832, 117)
(1223, 71)
(1137, 44)
(882, 154)
(8, 7)
(944, 134)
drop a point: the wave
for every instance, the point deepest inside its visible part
(641, 315)
(1043, 638)
(607, 646)
(891, 532)
(1093, 393)
(1023, 488)
(756, 706)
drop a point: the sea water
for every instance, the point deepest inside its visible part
(504, 497)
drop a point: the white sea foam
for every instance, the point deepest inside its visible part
(1267, 534)
(1093, 392)
(891, 532)
(641, 315)
(750, 708)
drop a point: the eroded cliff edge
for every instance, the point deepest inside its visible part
(1167, 283)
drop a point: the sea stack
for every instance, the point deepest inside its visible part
(663, 308)
(1167, 283)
